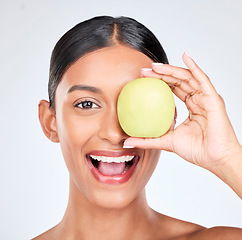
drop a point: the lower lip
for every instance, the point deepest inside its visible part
(117, 179)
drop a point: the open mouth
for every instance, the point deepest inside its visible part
(108, 169)
(112, 166)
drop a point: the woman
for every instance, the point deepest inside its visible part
(89, 66)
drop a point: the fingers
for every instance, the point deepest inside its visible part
(185, 83)
(190, 85)
(163, 143)
(198, 74)
(148, 72)
(180, 88)
(180, 76)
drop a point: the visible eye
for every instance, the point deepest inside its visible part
(86, 104)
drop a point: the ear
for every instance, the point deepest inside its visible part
(47, 120)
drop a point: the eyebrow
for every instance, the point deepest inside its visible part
(84, 88)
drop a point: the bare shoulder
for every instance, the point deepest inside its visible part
(48, 235)
(182, 230)
(216, 233)
(172, 228)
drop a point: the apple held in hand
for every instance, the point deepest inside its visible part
(146, 108)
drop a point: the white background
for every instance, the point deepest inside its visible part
(33, 176)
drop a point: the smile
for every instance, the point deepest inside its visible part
(112, 167)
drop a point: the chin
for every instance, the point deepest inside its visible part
(113, 179)
(117, 199)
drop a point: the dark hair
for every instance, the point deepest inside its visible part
(96, 33)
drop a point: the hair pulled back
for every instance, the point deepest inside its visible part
(96, 33)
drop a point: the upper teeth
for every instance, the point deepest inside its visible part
(112, 159)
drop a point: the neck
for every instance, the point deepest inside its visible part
(86, 220)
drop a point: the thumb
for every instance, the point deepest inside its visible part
(164, 142)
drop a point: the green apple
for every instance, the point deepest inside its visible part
(146, 108)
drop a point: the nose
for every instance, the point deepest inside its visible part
(110, 129)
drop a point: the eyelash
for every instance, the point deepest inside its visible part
(89, 106)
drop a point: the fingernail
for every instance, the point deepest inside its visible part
(157, 64)
(126, 146)
(187, 54)
(146, 69)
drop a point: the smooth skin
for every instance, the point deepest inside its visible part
(102, 211)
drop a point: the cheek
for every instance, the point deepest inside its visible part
(74, 133)
(151, 163)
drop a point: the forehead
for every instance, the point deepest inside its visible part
(108, 67)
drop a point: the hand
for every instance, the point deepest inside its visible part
(206, 138)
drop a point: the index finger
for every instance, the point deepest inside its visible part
(198, 74)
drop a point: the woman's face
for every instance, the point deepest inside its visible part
(88, 127)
